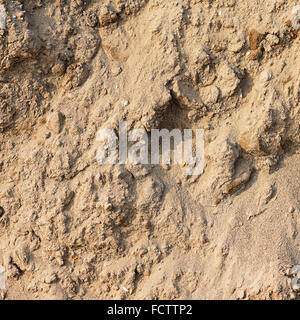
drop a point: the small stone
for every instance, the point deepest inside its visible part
(291, 209)
(125, 103)
(265, 76)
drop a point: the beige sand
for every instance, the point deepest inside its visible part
(72, 229)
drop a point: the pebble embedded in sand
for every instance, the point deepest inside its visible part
(266, 76)
(291, 209)
(125, 103)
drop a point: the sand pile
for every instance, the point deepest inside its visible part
(71, 228)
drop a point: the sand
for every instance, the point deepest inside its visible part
(71, 228)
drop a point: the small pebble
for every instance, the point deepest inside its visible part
(266, 76)
(125, 103)
(291, 209)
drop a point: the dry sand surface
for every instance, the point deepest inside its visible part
(71, 228)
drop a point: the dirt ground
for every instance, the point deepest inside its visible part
(71, 228)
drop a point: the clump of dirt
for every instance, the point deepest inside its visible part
(74, 229)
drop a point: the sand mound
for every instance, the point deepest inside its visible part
(71, 228)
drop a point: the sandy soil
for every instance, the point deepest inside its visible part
(73, 229)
